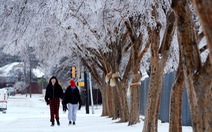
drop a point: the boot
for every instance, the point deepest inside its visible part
(58, 122)
(69, 123)
(73, 123)
(52, 123)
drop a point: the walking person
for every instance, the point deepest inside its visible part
(72, 102)
(53, 95)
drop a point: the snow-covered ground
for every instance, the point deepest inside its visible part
(27, 114)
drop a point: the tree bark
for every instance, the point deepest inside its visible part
(135, 99)
(198, 77)
(157, 68)
(124, 104)
(121, 104)
(105, 110)
(152, 109)
(116, 111)
(175, 118)
(202, 106)
(110, 101)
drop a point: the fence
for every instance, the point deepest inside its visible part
(165, 99)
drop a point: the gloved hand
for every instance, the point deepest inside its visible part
(65, 108)
(47, 102)
(79, 107)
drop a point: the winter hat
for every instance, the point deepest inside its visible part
(72, 83)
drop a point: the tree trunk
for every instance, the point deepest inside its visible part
(135, 100)
(120, 106)
(110, 101)
(117, 105)
(204, 11)
(157, 68)
(104, 102)
(124, 109)
(198, 77)
(152, 109)
(202, 106)
(175, 118)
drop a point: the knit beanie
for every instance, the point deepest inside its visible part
(72, 83)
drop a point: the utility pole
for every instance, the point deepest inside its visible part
(30, 71)
(86, 94)
(30, 76)
(25, 77)
(91, 93)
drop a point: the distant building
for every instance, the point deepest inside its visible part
(12, 73)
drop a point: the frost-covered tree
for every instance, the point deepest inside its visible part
(61, 32)
(48, 26)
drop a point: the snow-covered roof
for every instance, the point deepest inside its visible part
(6, 70)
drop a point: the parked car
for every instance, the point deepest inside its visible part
(11, 91)
(3, 100)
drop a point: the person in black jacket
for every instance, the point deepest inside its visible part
(71, 99)
(52, 97)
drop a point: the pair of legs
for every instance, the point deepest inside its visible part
(72, 112)
(54, 110)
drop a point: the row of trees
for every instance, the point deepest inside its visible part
(118, 41)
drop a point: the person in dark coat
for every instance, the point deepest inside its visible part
(71, 100)
(53, 95)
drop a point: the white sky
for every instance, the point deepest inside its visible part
(27, 114)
